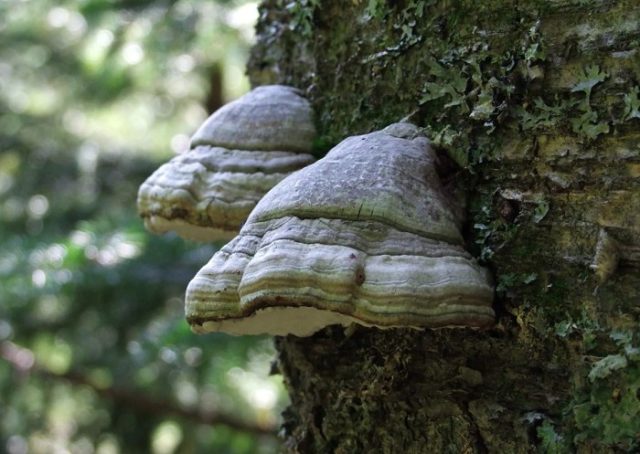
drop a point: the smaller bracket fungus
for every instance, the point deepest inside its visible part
(365, 235)
(238, 154)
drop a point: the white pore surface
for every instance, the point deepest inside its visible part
(278, 321)
(158, 224)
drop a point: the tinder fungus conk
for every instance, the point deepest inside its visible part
(241, 151)
(365, 235)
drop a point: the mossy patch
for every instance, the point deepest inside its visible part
(538, 102)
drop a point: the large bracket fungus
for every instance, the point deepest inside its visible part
(238, 154)
(364, 235)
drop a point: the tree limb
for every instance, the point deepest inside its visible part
(23, 361)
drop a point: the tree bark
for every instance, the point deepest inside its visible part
(538, 104)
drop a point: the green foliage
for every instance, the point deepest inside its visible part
(95, 355)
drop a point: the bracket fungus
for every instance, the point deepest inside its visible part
(238, 154)
(365, 235)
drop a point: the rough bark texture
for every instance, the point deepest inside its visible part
(538, 104)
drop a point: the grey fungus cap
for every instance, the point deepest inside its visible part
(365, 235)
(237, 155)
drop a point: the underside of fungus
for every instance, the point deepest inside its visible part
(365, 235)
(238, 154)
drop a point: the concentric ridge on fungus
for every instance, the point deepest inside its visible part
(364, 235)
(241, 151)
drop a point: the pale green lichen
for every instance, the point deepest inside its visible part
(592, 76)
(542, 116)
(606, 409)
(550, 441)
(632, 104)
(582, 118)
(302, 15)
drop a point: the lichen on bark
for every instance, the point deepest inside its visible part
(537, 103)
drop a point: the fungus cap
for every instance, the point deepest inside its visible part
(365, 235)
(238, 154)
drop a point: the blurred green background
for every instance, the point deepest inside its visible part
(95, 356)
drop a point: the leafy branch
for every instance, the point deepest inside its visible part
(22, 360)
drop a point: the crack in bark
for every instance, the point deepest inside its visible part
(481, 444)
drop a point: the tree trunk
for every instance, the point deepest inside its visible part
(537, 103)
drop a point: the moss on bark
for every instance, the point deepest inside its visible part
(538, 104)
